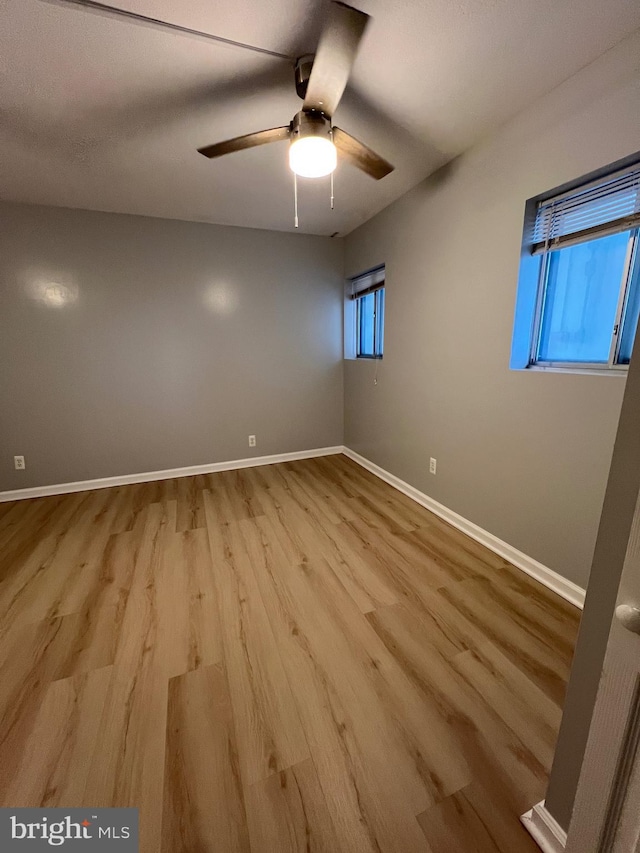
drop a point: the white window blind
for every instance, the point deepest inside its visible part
(600, 207)
(368, 282)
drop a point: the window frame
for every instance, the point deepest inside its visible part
(378, 323)
(612, 364)
(545, 230)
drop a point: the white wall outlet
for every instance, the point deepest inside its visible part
(252, 441)
(18, 462)
(432, 465)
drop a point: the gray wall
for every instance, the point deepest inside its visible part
(523, 454)
(175, 342)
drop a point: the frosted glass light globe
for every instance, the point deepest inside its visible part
(312, 156)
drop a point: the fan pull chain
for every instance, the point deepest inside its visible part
(331, 133)
(295, 200)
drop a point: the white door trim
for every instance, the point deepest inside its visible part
(544, 829)
(606, 812)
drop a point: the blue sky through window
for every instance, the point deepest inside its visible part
(583, 287)
(367, 306)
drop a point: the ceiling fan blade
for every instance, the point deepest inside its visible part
(249, 140)
(334, 58)
(360, 156)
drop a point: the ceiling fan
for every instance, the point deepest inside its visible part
(320, 81)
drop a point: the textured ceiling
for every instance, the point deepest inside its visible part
(107, 114)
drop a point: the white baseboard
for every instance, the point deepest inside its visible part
(567, 589)
(544, 829)
(169, 474)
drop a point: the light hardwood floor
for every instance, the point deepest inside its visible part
(287, 658)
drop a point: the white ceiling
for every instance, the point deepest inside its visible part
(107, 114)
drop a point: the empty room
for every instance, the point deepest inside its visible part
(319, 426)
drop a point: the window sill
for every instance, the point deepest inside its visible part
(581, 371)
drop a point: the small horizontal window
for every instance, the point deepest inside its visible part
(582, 311)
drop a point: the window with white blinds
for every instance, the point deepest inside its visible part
(604, 206)
(367, 293)
(578, 300)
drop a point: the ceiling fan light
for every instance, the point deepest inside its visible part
(312, 156)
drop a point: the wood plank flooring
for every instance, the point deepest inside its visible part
(279, 659)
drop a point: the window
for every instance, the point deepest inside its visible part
(586, 302)
(367, 292)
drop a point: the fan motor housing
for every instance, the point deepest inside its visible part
(310, 123)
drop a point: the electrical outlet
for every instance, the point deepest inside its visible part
(432, 465)
(18, 462)
(252, 441)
